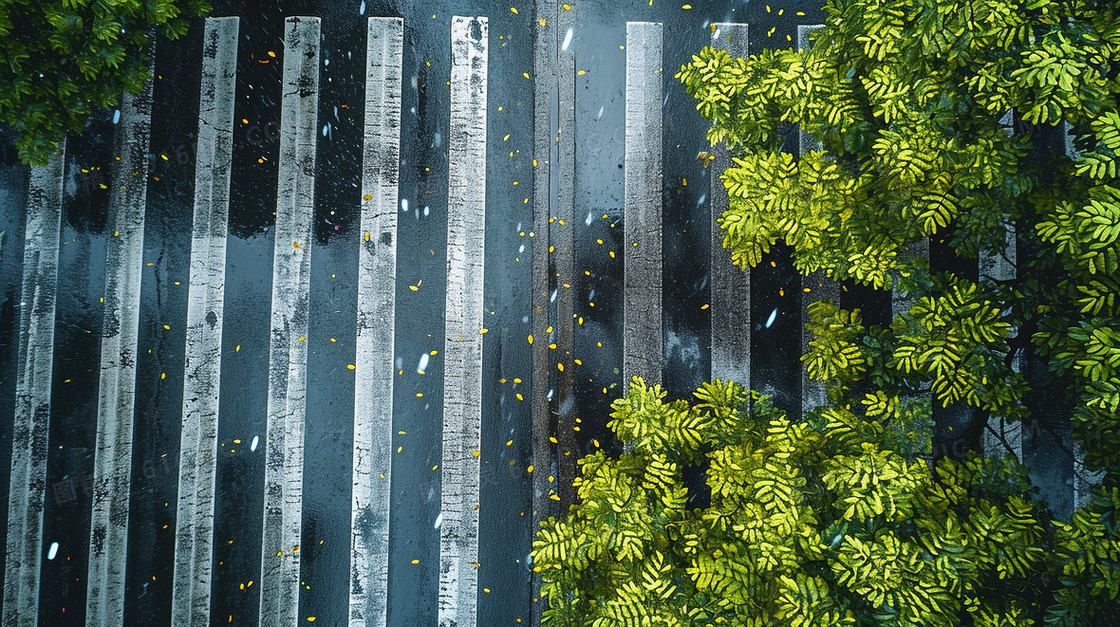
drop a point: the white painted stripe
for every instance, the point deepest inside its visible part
(377, 270)
(734, 37)
(462, 405)
(1002, 268)
(901, 301)
(642, 342)
(731, 285)
(819, 286)
(287, 358)
(1083, 480)
(194, 520)
(116, 398)
(28, 482)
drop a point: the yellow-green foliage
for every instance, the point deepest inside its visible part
(907, 103)
(817, 522)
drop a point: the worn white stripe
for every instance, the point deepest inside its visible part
(731, 285)
(202, 366)
(642, 342)
(462, 387)
(1084, 480)
(287, 358)
(116, 399)
(1002, 268)
(377, 268)
(30, 430)
(901, 301)
(818, 285)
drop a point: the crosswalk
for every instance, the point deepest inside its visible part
(477, 427)
(28, 484)
(373, 388)
(194, 516)
(112, 471)
(464, 326)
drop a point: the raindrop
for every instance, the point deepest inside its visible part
(439, 520)
(589, 219)
(423, 365)
(525, 319)
(400, 363)
(53, 551)
(601, 109)
(549, 396)
(703, 197)
(522, 249)
(253, 446)
(553, 298)
(437, 140)
(567, 40)
(362, 8)
(772, 318)
(426, 210)
(116, 116)
(404, 205)
(325, 126)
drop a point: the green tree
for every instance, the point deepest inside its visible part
(62, 60)
(810, 523)
(836, 518)
(906, 99)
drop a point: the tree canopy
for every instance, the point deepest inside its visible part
(823, 521)
(63, 60)
(941, 118)
(932, 120)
